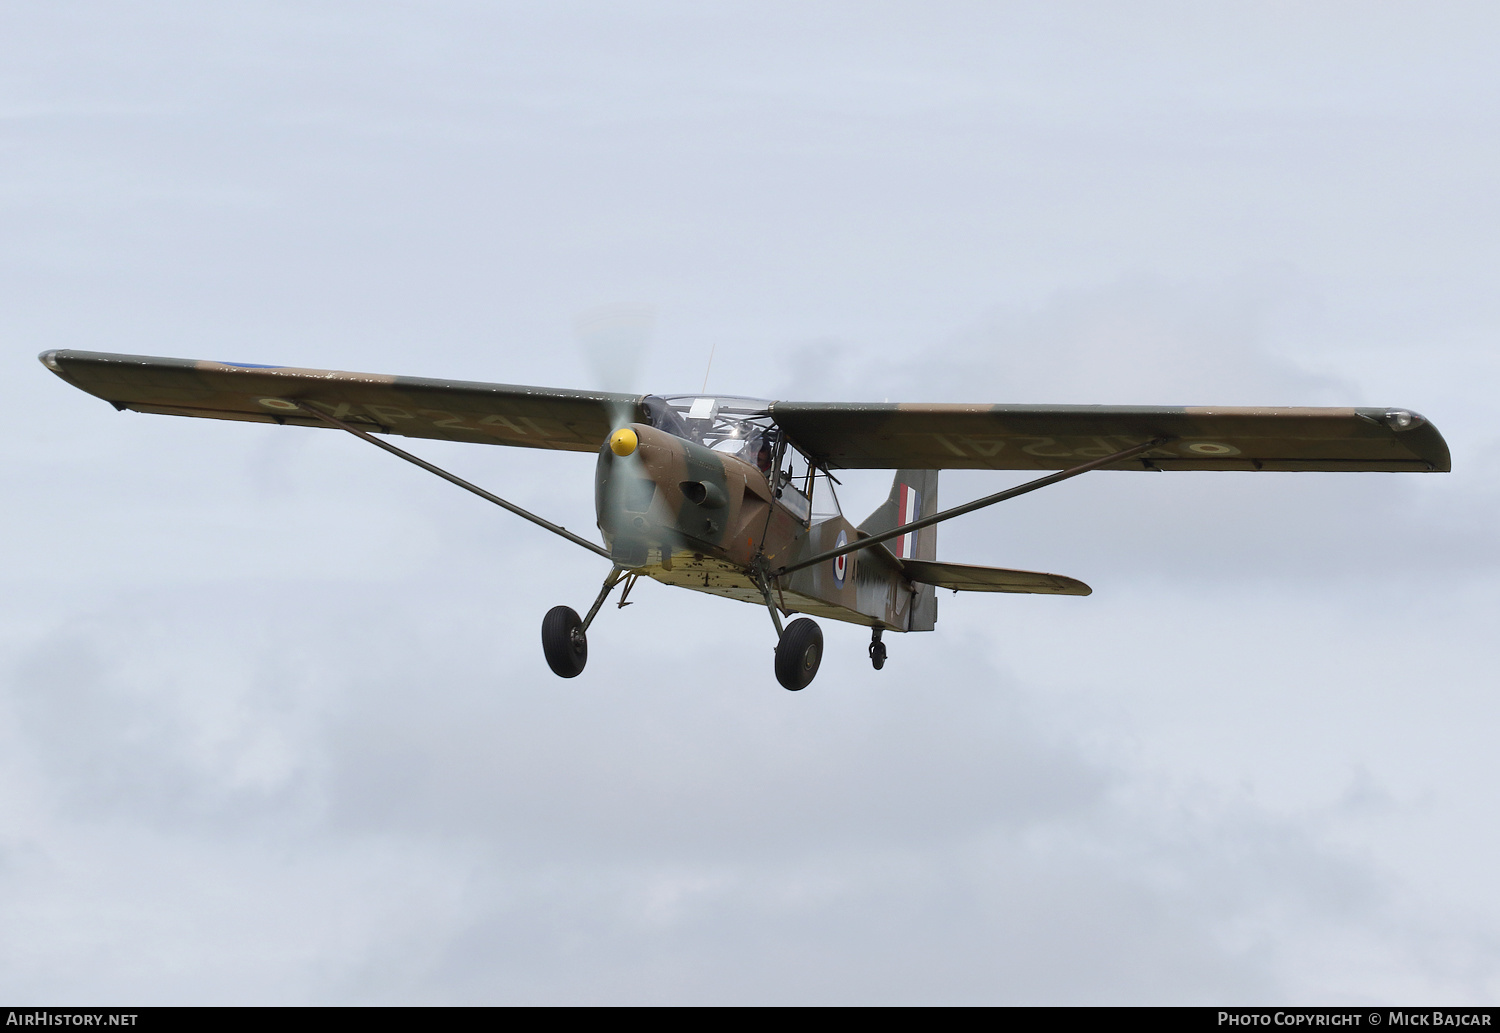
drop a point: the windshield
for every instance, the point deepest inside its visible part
(736, 426)
(743, 427)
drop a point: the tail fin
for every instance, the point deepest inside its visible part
(914, 494)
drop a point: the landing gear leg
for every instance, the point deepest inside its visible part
(765, 590)
(565, 641)
(615, 576)
(877, 650)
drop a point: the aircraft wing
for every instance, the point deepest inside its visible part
(964, 577)
(453, 410)
(1056, 437)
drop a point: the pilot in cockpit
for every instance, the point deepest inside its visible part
(763, 454)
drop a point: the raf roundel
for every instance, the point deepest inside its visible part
(840, 563)
(1213, 448)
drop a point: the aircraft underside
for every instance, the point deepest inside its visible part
(731, 581)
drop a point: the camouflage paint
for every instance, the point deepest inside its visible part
(711, 516)
(1031, 437)
(849, 435)
(450, 410)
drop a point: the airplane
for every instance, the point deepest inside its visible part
(737, 497)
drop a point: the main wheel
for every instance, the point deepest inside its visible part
(798, 654)
(877, 654)
(563, 642)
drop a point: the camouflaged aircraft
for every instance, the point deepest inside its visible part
(737, 497)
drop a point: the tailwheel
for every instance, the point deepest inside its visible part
(877, 650)
(798, 654)
(563, 642)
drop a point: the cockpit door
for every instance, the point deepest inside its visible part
(794, 482)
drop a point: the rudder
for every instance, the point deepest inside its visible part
(914, 494)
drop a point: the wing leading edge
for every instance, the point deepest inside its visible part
(1034, 437)
(451, 410)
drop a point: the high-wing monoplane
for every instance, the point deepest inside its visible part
(737, 497)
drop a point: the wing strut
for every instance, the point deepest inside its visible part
(454, 479)
(969, 507)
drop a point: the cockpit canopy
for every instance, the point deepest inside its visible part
(743, 427)
(735, 426)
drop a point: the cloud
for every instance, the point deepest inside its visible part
(390, 817)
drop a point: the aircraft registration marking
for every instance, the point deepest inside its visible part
(1092, 447)
(387, 415)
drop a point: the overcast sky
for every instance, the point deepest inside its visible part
(275, 726)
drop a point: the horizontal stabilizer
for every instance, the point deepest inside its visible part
(964, 577)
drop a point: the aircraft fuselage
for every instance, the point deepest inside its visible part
(684, 514)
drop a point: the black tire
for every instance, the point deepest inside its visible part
(563, 642)
(877, 654)
(798, 654)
